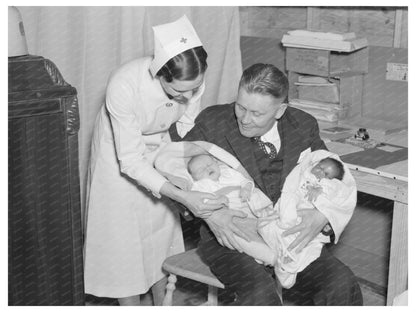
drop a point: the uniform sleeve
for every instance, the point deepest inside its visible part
(128, 139)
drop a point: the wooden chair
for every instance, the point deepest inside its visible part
(188, 264)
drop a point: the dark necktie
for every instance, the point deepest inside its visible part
(273, 152)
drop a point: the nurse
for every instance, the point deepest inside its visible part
(130, 228)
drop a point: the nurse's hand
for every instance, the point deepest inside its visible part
(202, 205)
(221, 224)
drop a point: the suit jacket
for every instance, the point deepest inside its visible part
(298, 131)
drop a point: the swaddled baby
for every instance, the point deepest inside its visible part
(213, 176)
(309, 185)
(315, 183)
(319, 179)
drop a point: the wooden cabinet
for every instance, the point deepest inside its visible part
(45, 231)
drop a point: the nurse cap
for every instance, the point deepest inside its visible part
(172, 39)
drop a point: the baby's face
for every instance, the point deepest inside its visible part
(324, 169)
(204, 167)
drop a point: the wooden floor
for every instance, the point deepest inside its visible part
(187, 293)
(190, 293)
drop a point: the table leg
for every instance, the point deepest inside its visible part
(398, 268)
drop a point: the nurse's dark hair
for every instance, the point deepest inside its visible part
(265, 79)
(187, 65)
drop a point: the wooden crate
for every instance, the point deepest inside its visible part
(326, 63)
(350, 89)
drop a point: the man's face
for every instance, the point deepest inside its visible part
(256, 113)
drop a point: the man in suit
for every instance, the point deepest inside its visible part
(260, 114)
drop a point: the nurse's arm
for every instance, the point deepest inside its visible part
(200, 204)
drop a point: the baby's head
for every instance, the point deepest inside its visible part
(329, 168)
(204, 167)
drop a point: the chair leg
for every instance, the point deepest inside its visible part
(212, 296)
(279, 290)
(170, 287)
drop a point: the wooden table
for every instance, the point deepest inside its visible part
(385, 183)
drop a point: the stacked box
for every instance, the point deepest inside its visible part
(328, 93)
(326, 63)
(344, 72)
(346, 91)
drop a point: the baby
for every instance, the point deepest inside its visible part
(328, 168)
(213, 176)
(309, 185)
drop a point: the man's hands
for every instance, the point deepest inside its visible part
(221, 224)
(311, 225)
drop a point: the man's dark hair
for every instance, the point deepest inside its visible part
(265, 79)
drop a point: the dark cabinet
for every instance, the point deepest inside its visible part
(45, 231)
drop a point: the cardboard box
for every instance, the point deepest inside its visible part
(349, 87)
(319, 92)
(306, 42)
(327, 112)
(326, 63)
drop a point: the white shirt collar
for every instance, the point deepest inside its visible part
(272, 136)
